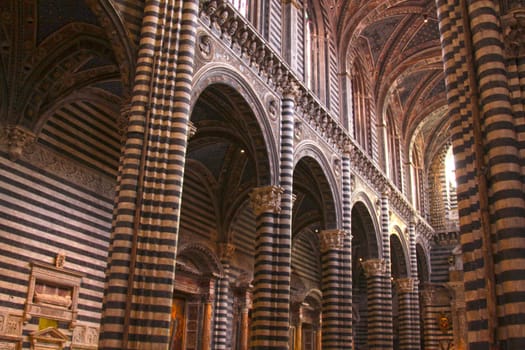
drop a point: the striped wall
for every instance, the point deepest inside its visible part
(44, 211)
(275, 24)
(306, 258)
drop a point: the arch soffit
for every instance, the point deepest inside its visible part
(123, 47)
(202, 250)
(308, 149)
(426, 255)
(362, 198)
(222, 74)
(76, 36)
(398, 233)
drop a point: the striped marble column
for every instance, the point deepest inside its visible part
(223, 301)
(408, 325)
(486, 138)
(140, 274)
(269, 323)
(346, 287)
(380, 328)
(409, 298)
(332, 252)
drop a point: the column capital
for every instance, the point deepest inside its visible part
(405, 285)
(332, 240)
(266, 199)
(514, 32)
(374, 267)
(17, 139)
(226, 251)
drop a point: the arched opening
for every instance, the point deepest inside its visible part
(364, 247)
(226, 158)
(399, 270)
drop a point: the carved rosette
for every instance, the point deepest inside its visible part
(374, 267)
(332, 240)
(17, 139)
(514, 33)
(266, 199)
(405, 285)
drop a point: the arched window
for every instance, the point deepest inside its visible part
(392, 162)
(241, 6)
(361, 105)
(308, 70)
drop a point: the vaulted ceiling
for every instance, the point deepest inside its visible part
(400, 42)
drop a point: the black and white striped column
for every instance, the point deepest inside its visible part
(380, 331)
(141, 263)
(223, 301)
(409, 330)
(270, 318)
(346, 287)
(332, 252)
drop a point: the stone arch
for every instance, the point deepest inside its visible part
(399, 254)
(324, 172)
(423, 263)
(119, 37)
(208, 262)
(66, 50)
(224, 75)
(363, 208)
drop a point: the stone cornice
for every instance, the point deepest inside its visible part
(229, 26)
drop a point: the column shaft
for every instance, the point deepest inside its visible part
(140, 274)
(270, 315)
(380, 331)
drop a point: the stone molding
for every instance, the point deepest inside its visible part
(226, 251)
(266, 199)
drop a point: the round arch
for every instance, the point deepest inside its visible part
(214, 74)
(363, 210)
(399, 254)
(330, 193)
(207, 260)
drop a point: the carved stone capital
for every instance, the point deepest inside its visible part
(226, 251)
(374, 267)
(266, 199)
(405, 285)
(514, 33)
(332, 240)
(17, 139)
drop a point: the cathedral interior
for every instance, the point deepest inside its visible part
(262, 174)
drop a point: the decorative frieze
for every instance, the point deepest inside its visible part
(85, 338)
(266, 199)
(332, 240)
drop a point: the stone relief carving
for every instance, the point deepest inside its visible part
(53, 292)
(84, 337)
(10, 331)
(205, 50)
